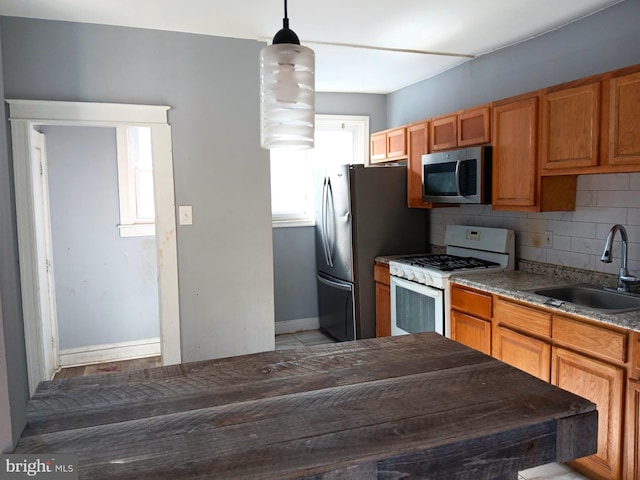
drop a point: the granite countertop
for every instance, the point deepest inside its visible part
(514, 285)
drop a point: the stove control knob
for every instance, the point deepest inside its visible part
(428, 280)
(419, 277)
(393, 270)
(410, 275)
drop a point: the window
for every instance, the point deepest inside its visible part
(135, 181)
(339, 140)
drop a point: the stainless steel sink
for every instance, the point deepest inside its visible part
(591, 296)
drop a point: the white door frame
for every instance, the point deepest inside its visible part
(24, 116)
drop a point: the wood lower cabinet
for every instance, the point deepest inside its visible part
(471, 331)
(522, 338)
(632, 457)
(603, 384)
(524, 352)
(471, 313)
(383, 299)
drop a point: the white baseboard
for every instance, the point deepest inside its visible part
(297, 325)
(110, 352)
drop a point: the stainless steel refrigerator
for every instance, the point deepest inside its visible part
(360, 213)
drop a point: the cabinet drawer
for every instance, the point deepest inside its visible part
(381, 274)
(592, 339)
(474, 302)
(523, 318)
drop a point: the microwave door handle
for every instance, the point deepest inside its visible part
(458, 163)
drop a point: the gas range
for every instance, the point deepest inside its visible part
(468, 250)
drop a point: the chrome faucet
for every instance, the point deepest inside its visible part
(624, 279)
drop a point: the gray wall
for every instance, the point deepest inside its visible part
(13, 380)
(294, 264)
(604, 41)
(211, 84)
(106, 285)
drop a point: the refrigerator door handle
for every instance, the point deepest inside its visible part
(335, 283)
(325, 241)
(329, 199)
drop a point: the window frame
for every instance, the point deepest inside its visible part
(360, 126)
(131, 225)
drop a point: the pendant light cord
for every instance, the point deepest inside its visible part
(285, 20)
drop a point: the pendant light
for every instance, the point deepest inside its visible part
(287, 87)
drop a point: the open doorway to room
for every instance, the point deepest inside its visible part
(79, 242)
(102, 231)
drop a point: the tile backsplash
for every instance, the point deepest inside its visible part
(578, 237)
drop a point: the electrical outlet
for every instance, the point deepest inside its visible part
(548, 239)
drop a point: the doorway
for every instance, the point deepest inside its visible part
(32, 216)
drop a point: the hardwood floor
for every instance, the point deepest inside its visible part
(123, 366)
(553, 471)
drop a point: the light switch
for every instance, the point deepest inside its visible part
(186, 214)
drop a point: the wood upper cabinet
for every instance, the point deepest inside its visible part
(603, 384)
(471, 313)
(444, 134)
(460, 129)
(571, 127)
(383, 299)
(621, 132)
(474, 126)
(516, 181)
(515, 153)
(417, 145)
(389, 145)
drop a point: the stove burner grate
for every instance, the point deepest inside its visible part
(448, 263)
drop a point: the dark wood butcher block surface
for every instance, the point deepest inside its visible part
(415, 406)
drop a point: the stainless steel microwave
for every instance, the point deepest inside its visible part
(457, 176)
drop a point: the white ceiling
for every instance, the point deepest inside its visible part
(469, 27)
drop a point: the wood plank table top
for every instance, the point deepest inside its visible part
(414, 406)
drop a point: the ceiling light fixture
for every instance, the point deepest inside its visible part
(287, 91)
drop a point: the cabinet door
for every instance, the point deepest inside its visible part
(603, 384)
(418, 144)
(383, 299)
(383, 310)
(571, 127)
(515, 153)
(521, 351)
(443, 133)
(471, 331)
(622, 136)
(633, 430)
(473, 127)
(396, 143)
(378, 147)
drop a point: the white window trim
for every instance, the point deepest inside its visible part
(130, 225)
(361, 122)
